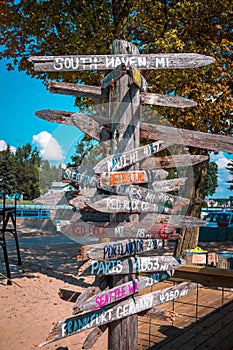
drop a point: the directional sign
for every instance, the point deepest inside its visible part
(122, 160)
(80, 90)
(80, 323)
(131, 177)
(187, 137)
(130, 265)
(113, 250)
(166, 100)
(123, 204)
(138, 79)
(77, 90)
(151, 196)
(161, 226)
(109, 62)
(56, 116)
(175, 161)
(113, 76)
(169, 185)
(81, 230)
(122, 291)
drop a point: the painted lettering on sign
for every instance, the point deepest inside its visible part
(127, 177)
(90, 320)
(82, 230)
(115, 294)
(110, 62)
(81, 178)
(134, 247)
(106, 267)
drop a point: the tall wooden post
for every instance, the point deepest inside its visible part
(124, 108)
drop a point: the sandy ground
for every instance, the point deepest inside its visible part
(31, 305)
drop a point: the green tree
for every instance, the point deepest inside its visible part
(27, 163)
(63, 27)
(7, 172)
(211, 181)
(87, 152)
(48, 174)
(230, 168)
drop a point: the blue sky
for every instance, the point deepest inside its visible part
(22, 96)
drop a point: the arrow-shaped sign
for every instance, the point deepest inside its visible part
(123, 204)
(80, 90)
(119, 249)
(134, 264)
(109, 62)
(122, 160)
(122, 291)
(161, 226)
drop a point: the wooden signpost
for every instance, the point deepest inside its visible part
(118, 187)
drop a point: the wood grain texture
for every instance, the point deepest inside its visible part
(108, 62)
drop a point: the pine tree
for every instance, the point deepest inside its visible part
(7, 172)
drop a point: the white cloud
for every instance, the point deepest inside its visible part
(220, 160)
(3, 146)
(48, 146)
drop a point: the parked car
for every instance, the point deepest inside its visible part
(219, 218)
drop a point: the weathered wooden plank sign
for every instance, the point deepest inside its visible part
(77, 90)
(123, 204)
(187, 137)
(166, 100)
(113, 250)
(169, 185)
(124, 230)
(138, 79)
(151, 196)
(80, 323)
(120, 161)
(131, 177)
(130, 265)
(175, 161)
(122, 291)
(56, 116)
(113, 76)
(109, 62)
(161, 226)
(94, 92)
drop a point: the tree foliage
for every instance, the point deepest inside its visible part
(47, 174)
(7, 173)
(27, 165)
(63, 27)
(211, 181)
